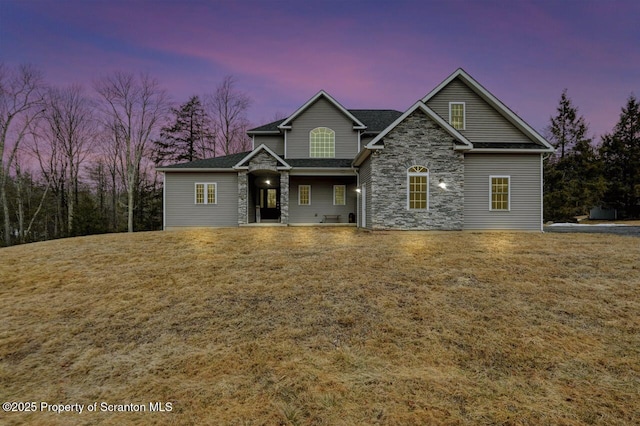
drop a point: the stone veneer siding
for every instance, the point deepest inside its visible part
(284, 197)
(263, 161)
(417, 140)
(243, 193)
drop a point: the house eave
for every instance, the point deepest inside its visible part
(322, 171)
(362, 155)
(247, 168)
(264, 132)
(510, 150)
(193, 170)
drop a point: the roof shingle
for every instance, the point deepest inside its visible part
(224, 162)
(376, 120)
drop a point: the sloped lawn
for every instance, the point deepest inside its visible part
(323, 326)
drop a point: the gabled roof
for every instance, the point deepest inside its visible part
(376, 143)
(357, 124)
(244, 163)
(233, 161)
(464, 142)
(375, 121)
(217, 163)
(268, 128)
(494, 102)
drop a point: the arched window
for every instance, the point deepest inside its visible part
(322, 143)
(417, 188)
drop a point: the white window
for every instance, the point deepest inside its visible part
(418, 188)
(322, 143)
(304, 195)
(339, 195)
(500, 193)
(206, 193)
(457, 117)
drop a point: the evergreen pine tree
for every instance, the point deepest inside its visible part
(620, 152)
(573, 175)
(189, 138)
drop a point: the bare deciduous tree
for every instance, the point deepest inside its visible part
(70, 130)
(228, 108)
(24, 195)
(21, 100)
(133, 110)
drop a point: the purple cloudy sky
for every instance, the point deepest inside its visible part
(367, 54)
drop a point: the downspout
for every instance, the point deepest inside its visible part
(358, 209)
(164, 201)
(542, 158)
(285, 143)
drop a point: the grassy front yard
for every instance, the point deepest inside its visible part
(324, 326)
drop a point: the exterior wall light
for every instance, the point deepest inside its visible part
(442, 184)
(358, 190)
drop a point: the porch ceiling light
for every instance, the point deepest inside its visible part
(268, 182)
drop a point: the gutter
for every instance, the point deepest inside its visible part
(191, 169)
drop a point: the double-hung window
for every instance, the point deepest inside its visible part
(206, 193)
(418, 188)
(304, 195)
(339, 195)
(457, 117)
(500, 193)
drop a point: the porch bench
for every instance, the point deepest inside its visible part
(334, 218)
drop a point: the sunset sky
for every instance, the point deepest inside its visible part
(366, 54)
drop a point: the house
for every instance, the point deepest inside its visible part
(456, 159)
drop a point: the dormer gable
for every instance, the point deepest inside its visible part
(287, 123)
(264, 158)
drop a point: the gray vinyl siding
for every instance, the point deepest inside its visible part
(525, 191)
(180, 206)
(322, 114)
(365, 140)
(321, 199)
(483, 123)
(274, 143)
(365, 181)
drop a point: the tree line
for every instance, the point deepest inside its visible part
(583, 174)
(76, 162)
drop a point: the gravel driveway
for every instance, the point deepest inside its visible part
(632, 231)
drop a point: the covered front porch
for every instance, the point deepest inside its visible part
(277, 198)
(272, 191)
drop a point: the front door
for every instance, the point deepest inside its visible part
(270, 203)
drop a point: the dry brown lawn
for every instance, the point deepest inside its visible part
(327, 326)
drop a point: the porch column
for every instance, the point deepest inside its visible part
(243, 197)
(284, 197)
